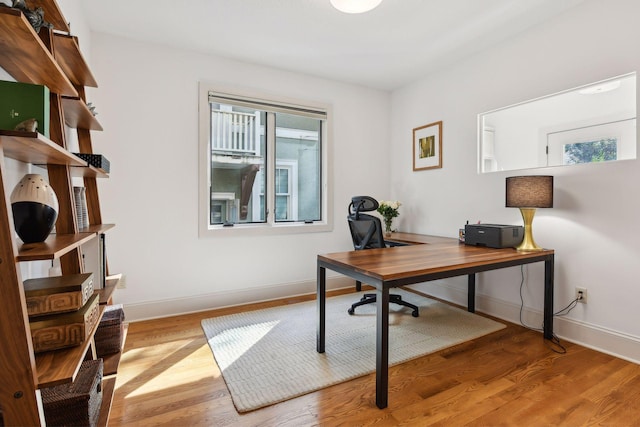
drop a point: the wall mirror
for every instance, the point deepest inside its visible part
(591, 123)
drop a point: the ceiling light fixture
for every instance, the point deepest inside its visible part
(601, 88)
(355, 6)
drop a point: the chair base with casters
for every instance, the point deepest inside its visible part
(393, 298)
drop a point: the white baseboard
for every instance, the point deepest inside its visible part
(592, 336)
(176, 306)
(604, 340)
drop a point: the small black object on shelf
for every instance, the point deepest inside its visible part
(96, 160)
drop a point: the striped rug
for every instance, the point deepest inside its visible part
(268, 356)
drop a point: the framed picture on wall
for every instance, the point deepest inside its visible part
(427, 146)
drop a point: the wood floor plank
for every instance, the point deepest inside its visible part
(168, 376)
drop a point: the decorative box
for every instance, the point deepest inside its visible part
(24, 101)
(96, 160)
(77, 403)
(108, 337)
(64, 330)
(58, 294)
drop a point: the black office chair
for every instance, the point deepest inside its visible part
(366, 233)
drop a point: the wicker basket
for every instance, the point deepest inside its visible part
(77, 403)
(108, 337)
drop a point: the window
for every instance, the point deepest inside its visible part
(223, 207)
(602, 150)
(286, 191)
(263, 163)
(604, 142)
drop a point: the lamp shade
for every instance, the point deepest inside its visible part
(534, 191)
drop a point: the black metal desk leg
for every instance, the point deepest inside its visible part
(321, 298)
(471, 294)
(548, 297)
(382, 346)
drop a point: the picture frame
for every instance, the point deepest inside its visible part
(427, 146)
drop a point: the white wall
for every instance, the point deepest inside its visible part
(592, 225)
(148, 106)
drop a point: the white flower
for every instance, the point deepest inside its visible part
(389, 209)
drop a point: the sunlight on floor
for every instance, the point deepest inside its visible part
(234, 344)
(142, 372)
(170, 371)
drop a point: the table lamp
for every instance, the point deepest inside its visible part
(529, 193)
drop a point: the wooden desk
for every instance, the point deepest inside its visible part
(431, 258)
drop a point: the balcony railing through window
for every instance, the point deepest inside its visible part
(234, 133)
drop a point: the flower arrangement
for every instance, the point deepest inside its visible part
(388, 210)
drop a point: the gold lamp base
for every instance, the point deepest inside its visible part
(528, 244)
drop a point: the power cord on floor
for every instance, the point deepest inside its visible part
(556, 346)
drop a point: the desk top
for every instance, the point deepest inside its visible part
(434, 257)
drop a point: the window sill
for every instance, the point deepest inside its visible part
(265, 229)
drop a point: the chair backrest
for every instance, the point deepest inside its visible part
(366, 230)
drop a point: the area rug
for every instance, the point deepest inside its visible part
(268, 356)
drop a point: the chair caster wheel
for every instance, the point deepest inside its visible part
(351, 311)
(415, 314)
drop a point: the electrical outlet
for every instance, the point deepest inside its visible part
(583, 292)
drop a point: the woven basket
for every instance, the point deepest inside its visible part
(108, 337)
(77, 403)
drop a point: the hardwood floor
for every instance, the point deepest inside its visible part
(512, 377)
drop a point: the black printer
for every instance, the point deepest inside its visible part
(493, 235)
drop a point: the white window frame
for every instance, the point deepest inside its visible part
(271, 227)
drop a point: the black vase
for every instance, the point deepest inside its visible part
(35, 208)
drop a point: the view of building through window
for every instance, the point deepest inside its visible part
(245, 187)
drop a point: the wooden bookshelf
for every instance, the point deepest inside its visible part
(52, 59)
(61, 366)
(99, 229)
(37, 149)
(108, 389)
(67, 53)
(107, 292)
(54, 247)
(78, 115)
(88, 172)
(26, 58)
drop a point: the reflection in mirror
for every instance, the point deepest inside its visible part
(593, 123)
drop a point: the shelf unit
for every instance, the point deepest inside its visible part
(51, 58)
(26, 57)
